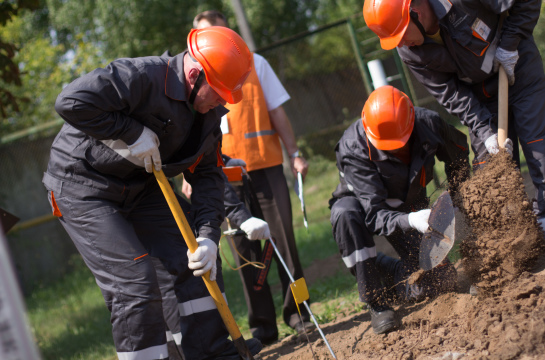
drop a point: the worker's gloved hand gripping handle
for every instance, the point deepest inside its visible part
(256, 229)
(204, 258)
(507, 60)
(146, 148)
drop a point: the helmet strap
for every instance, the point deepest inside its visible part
(414, 18)
(196, 87)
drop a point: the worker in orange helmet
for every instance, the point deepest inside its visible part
(122, 121)
(385, 161)
(455, 48)
(253, 133)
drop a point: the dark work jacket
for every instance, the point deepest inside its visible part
(453, 73)
(235, 210)
(107, 109)
(387, 188)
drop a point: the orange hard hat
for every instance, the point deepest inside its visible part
(225, 58)
(388, 118)
(388, 19)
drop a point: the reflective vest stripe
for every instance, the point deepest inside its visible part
(259, 133)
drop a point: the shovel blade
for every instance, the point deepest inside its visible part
(434, 249)
(439, 240)
(242, 349)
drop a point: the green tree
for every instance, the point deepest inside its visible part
(45, 66)
(128, 28)
(9, 71)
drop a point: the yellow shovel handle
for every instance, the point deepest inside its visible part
(503, 105)
(191, 242)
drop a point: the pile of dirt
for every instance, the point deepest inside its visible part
(506, 238)
(510, 325)
(507, 320)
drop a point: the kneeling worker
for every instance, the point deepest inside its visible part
(385, 161)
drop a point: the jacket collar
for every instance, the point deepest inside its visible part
(175, 78)
(440, 7)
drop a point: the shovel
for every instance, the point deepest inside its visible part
(441, 235)
(212, 286)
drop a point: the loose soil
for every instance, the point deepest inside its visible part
(505, 317)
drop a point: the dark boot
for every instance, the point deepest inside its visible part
(266, 337)
(382, 318)
(387, 267)
(254, 346)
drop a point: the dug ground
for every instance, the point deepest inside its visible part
(502, 317)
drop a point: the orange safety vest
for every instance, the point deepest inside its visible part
(251, 136)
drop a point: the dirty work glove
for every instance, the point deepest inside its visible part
(146, 148)
(492, 146)
(419, 220)
(508, 60)
(235, 162)
(256, 229)
(204, 258)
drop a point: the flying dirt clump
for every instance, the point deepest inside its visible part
(506, 238)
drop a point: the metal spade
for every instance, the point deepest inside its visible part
(439, 239)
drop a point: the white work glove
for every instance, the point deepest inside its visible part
(204, 258)
(256, 229)
(508, 60)
(235, 162)
(492, 146)
(146, 148)
(418, 220)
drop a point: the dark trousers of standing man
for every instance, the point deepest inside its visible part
(272, 192)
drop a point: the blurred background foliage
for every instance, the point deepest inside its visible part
(47, 43)
(44, 44)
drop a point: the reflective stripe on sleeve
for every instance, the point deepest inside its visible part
(121, 148)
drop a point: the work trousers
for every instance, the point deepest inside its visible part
(272, 192)
(170, 310)
(377, 282)
(117, 242)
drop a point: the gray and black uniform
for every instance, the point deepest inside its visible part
(459, 74)
(377, 191)
(116, 213)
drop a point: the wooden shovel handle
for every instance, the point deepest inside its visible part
(503, 105)
(212, 286)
